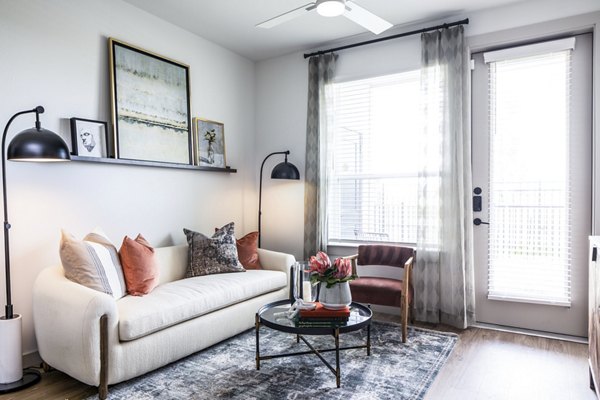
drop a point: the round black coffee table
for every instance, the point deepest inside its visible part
(273, 315)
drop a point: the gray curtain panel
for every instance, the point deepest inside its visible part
(443, 275)
(321, 70)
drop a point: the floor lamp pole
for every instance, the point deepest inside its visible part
(29, 145)
(260, 189)
(8, 309)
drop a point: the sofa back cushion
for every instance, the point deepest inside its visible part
(172, 262)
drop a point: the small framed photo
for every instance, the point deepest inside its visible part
(89, 138)
(209, 143)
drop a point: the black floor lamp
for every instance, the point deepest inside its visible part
(283, 170)
(34, 144)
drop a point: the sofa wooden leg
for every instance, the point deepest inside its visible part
(103, 387)
(102, 392)
(46, 367)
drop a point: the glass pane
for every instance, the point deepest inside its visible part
(372, 190)
(529, 197)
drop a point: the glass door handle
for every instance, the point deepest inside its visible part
(478, 221)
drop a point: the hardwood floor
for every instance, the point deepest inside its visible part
(54, 386)
(488, 364)
(484, 365)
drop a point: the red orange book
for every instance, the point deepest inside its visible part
(322, 312)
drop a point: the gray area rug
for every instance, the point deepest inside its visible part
(228, 371)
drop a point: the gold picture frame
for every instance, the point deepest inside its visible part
(151, 112)
(209, 143)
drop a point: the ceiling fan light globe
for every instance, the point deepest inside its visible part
(331, 8)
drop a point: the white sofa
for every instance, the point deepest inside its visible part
(102, 341)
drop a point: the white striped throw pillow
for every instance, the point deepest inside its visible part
(93, 262)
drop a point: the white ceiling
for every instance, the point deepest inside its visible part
(231, 23)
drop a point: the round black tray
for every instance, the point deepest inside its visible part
(360, 316)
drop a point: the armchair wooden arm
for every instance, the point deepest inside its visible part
(408, 265)
(353, 259)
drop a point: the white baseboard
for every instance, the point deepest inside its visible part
(32, 359)
(386, 309)
(530, 332)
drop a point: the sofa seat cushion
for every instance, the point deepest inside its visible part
(182, 300)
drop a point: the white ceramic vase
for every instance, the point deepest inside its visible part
(336, 297)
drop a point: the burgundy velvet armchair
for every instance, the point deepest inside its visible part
(385, 291)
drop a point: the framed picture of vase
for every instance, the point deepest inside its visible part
(209, 143)
(150, 104)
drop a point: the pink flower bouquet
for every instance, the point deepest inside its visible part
(321, 270)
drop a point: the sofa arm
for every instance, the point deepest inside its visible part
(67, 324)
(276, 261)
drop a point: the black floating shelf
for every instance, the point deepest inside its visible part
(121, 161)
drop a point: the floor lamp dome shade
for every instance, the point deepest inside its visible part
(283, 170)
(38, 145)
(34, 144)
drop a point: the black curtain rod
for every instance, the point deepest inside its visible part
(349, 46)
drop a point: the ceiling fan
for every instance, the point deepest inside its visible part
(333, 8)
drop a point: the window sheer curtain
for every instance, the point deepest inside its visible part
(321, 70)
(443, 278)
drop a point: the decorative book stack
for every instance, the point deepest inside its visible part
(321, 316)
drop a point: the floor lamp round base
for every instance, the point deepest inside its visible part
(30, 378)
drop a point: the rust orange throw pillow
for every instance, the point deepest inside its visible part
(247, 248)
(139, 266)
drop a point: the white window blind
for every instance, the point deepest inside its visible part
(530, 50)
(372, 177)
(529, 237)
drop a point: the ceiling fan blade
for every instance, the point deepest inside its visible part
(365, 18)
(286, 16)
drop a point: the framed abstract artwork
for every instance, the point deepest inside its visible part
(150, 104)
(209, 143)
(89, 138)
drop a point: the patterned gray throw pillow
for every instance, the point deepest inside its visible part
(214, 255)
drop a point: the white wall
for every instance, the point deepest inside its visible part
(281, 83)
(278, 129)
(55, 54)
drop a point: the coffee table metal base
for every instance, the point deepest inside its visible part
(317, 352)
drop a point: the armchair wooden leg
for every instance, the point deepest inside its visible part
(404, 317)
(404, 327)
